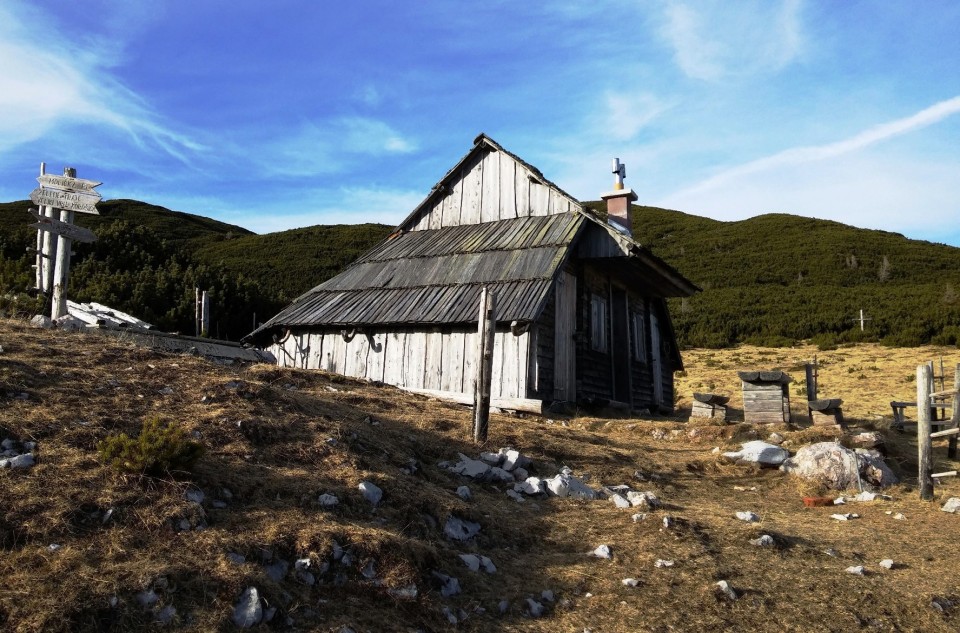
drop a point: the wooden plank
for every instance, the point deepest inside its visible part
(763, 405)
(522, 189)
(949, 473)
(761, 396)
(565, 376)
(415, 359)
(393, 358)
(924, 447)
(357, 349)
(452, 203)
(497, 376)
(508, 189)
(469, 361)
(375, 357)
(955, 414)
(490, 196)
(510, 357)
(523, 364)
(433, 367)
(452, 377)
(472, 192)
(539, 199)
(435, 219)
(315, 361)
(946, 433)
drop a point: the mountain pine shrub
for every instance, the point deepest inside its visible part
(160, 449)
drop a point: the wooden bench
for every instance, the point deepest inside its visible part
(709, 405)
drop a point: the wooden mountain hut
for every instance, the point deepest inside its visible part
(581, 307)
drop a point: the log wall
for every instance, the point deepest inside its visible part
(765, 403)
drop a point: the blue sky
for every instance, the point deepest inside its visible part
(275, 115)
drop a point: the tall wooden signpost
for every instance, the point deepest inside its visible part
(63, 196)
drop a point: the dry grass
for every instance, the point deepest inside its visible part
(267, 433)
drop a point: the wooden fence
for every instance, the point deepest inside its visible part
(926, 398)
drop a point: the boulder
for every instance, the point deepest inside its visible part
(513, 459)
(473, 468)
(70, 323)
(41, 321)
(839, 468)
(759, 452)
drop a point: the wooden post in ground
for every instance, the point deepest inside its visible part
(205, 314)
(61, 268)
(924, 446)
(811, 370)
(484, 366)
(955, 418)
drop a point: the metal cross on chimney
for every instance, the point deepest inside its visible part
(620, 170)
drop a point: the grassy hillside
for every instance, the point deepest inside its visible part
(779, 278)
(85, 548)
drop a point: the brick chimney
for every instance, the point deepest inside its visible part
(618, 201)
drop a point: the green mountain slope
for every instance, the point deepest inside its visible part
(772, 279)
(776, 278)
(292, 262)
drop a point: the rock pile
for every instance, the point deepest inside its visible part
(14, 454)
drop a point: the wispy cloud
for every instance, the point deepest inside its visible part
(715, 40)
(57, 84)
(332, 146)
(800, 155)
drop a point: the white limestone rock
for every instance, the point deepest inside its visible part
(566, 485)
(371, 492)
(328, 500)
(18, 461)
(602, 551)
(464, 493)
(248, 611)
(531, 486)
(887, 563)
(630, 582)
(449, 586)
(748, 516)
(512, 459)
(644, 500)
(856, 570)
(725, 590)
(620, 501)
(473, 468)
(765, 540)
(759, 452)
(41, 321)
(458, 529)
(952, 505)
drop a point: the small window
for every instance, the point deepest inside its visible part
(639, 337)
(598, 323)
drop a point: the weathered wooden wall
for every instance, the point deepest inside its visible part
(436, 360)
(492, 186)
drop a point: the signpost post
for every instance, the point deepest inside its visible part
(69, 194)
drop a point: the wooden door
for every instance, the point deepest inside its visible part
(620, 346)
(565, 364)
(656, 359)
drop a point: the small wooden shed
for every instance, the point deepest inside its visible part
(766, 396)
(581, 307)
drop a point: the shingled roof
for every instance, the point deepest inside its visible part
(434, 277)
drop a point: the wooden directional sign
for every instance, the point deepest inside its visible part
(83, 202)
(66, 183)
(71, 231)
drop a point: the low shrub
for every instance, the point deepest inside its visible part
(160, 449)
